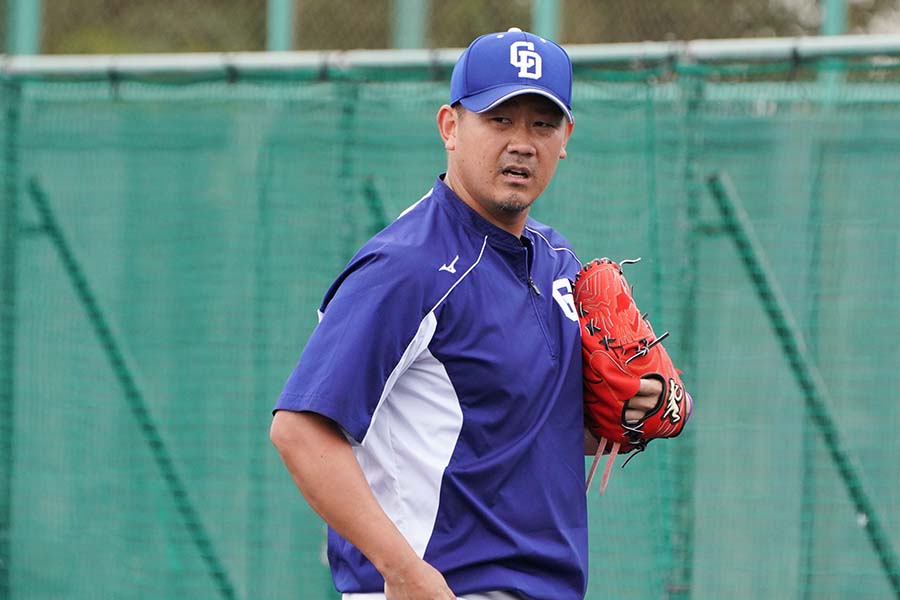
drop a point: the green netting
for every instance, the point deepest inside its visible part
(166, 245)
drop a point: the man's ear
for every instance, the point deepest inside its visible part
(568, 133)
(448, 121)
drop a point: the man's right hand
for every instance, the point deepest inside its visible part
(324, 467)
(417, 581)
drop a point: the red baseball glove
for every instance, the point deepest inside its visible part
(619, 349)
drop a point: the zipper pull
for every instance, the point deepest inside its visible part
(534, 286)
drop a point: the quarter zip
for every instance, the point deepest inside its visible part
(535, 295)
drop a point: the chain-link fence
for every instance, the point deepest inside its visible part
(131, 26)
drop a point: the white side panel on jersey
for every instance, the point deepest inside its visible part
(411, 438)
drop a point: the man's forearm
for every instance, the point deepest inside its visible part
(324, 468)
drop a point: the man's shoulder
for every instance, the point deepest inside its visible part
(421, 235)
(420, 252)
(547, 234)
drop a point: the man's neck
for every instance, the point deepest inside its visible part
(513, 223)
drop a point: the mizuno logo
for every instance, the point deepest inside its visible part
(451, 268)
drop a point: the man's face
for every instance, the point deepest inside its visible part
(501, 160)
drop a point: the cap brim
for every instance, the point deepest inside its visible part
(488, 99)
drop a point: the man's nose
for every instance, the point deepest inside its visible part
(520, 141)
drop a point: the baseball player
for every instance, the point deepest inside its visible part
(435, 417)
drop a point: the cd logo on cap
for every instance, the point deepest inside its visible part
(523, 56)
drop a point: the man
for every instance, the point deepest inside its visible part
(435, 417)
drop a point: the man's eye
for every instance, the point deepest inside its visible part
(500, 120)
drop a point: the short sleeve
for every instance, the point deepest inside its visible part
(370, 317)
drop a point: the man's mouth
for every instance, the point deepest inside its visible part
(517, 172)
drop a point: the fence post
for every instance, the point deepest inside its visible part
(545, 19)
(410, 17)
(834, 22)
(279, 25)
(692, 92)
(23, 27)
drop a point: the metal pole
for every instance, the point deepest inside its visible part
(681, 578)
(813, 316)
(674, 55)
(280, 25)
(409, 23)
(834, 22)
(834, 19)
(545, 20)
(23, 27)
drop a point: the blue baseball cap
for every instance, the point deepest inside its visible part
(498, 66)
